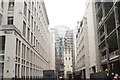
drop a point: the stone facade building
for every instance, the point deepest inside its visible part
(24, 34)
(68, 53)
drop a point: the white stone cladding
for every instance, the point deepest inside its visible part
(34, 46)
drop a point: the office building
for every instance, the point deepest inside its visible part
(24, 34)
(108, 29)
(68, 53)
(60, 32)
(86, 43)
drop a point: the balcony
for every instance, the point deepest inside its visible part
(103, 49)
(102, 35)
(114, 54)
(104, 58)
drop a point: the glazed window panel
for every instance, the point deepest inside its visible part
(11, 5)
(10, 20)
(0, 19)
(2, 44)
(25, 9)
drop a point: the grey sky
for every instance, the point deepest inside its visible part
(65, 12)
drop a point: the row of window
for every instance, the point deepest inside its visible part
(27, 32)
(30, 37)
(29, 60)
(27, 72)
(37, 14)
(26, 53)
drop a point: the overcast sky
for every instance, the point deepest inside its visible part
(65, 12)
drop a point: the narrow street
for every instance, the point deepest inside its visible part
(59, 39)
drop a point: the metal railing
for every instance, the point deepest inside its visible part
(115, 53)
(103, 57)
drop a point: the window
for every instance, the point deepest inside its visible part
(23, 51)
(18, 44)
(34, 41)
(34, 26)
(69, 58)
(1, 58)
(11, 5)
(1, 70)
(32, 22)
(31, 55)
(28, 34)
(29, 16)
(31, 38)
(28, 53)
(1, 3)
(36, 44)
(10, 20)
(2, 44)
(0, 19)
(24, 29)
(29, 2)
(66, 58)
(32, 6)
(25, 9)
(19, 48)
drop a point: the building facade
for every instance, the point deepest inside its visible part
(52, 32)
(86, 43)
(108, 29)
(60, 32)
(24, 44)
(68, 53)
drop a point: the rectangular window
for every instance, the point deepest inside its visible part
(19, 48)
(31, 38)
(32, 22)
(1, 70)
(2, 44)
(28, 53)
(18, 44)
(10, 20)
(31, 55)
(0, 19)
(36, 44)
(24, 29)
(34, 41)
(1, 3)
(1, 58)
(25, 9)
(28, 34)
(34, 26)
(32, 6)
(29, 16)
(11, 5)
(23, 51)
(29, 3)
